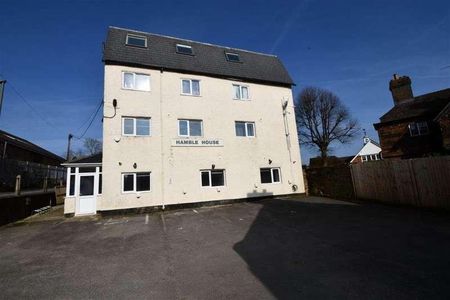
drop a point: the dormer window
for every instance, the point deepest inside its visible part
(184, 49)
(136, 41)
(233, 57)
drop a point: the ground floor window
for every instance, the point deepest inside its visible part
(100, 179)
(72, 172)
(136, 182)
(213, 177)
(270, 175)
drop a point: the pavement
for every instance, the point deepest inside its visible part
(282, 248)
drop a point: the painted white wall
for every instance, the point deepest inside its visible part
(369, 148)
(175, 171)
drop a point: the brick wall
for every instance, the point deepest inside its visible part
(396, 141)
(334, 182)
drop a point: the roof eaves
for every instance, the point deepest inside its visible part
(159, 67)
(442, 112)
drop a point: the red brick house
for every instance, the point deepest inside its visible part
(416, 126)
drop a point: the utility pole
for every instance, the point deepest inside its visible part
(69, 138)
(2, 89)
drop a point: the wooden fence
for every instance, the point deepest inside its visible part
(32, 175)
(422, 182)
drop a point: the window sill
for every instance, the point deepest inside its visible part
(197, 96)
(191, 136)
(135, 193)
(213, 187)
(135, 90)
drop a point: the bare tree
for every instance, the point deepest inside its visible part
(322, 119)
(92, 146)
(75, 154)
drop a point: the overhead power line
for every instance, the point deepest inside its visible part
(89, 118)
(13, 88)
(90, 123)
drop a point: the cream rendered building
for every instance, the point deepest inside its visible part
(188, 122)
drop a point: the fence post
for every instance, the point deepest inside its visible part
(415, 186)
(355, 195)
(17, 190)
(45, 184)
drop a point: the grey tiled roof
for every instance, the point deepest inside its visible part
(207, 59)
(426, 106)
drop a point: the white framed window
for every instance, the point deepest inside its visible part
(135, 81)
(72, 175)
(270, 175)
(245, 128)
(418, 128)
(240, 92)
(212, 178)
(136, 182)
(184, 49)
(190, 127)
(136, 126)
(190, 87)
(100, 180)
(136, 40)
(371, 157)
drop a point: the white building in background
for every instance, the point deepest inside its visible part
(187, 122)
(371, 151)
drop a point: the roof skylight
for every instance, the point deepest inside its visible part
(136, 41)
(184, 49)
(233, 57)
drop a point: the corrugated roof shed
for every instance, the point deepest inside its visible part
(207, 59)
(27, 145)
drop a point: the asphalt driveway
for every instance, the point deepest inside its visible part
(275, 248)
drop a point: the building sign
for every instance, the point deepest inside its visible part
(197, 143)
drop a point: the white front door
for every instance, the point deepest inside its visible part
(86, 195)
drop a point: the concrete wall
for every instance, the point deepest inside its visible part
(13, 208)
(175, 171)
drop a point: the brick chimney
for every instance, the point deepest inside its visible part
(400, 87)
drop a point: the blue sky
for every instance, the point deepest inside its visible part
(50, 52)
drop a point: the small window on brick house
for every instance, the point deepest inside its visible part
(418, 128)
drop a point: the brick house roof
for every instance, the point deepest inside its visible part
(426, 106)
